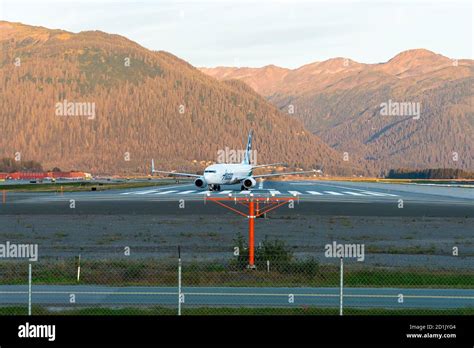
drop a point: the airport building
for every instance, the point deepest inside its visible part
(45, 175)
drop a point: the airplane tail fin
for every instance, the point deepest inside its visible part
(248, 149)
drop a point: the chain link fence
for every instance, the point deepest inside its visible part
(277, 285)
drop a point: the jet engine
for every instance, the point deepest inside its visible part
(200, 182)
(249, 183)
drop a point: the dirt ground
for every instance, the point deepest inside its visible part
(391, 241)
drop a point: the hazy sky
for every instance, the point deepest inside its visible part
(257, 33)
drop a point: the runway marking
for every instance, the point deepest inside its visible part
(315, 193)
(294, 193)
(144, 192)
(356, 189)
(271, 191)
(378, 194)
(353, 193)
(334, 193)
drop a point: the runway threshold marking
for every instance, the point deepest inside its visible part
(271, 191)
(356, 189)
(294, 193)
(145, 192)
(353, 193)
(334, 193)
(378, 194)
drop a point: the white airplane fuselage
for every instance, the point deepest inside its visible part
(227, 174)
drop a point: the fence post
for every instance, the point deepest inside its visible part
(79, 268)
(179, 281)
(29, 289)
(341, 294)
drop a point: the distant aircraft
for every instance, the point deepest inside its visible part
(230, 173)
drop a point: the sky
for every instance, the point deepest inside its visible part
(258, 33)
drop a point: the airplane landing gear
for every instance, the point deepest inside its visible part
(214, 187)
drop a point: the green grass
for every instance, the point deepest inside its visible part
(38, 310)
(149, 272)
(411, 250)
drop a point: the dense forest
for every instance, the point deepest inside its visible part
(145, 105)
(437, 173)
(9, 165)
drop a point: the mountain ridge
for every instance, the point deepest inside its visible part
(342, 104)
(148, 104)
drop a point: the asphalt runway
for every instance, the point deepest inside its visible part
(312, 197)
(59, 295)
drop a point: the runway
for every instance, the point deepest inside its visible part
(59, 295)
(315, 197)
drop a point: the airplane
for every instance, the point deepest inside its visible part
(219, 174)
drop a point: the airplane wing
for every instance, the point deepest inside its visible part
(172, 173)
(177, 174)
(287, 173)
(268, 165)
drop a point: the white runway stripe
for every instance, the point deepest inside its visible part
(275, 192)
(314, 193)
(334, 193)
(145, 192)
(294, 193)
(244, 192)
(185, 192)
(225, 192)
(165, 192)
(203, 192)
(378, 194)
(353, 193)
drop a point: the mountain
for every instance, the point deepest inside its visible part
(341, 101)
(102, 103)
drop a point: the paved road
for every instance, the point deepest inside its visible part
(320, 197)
(240, 296)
